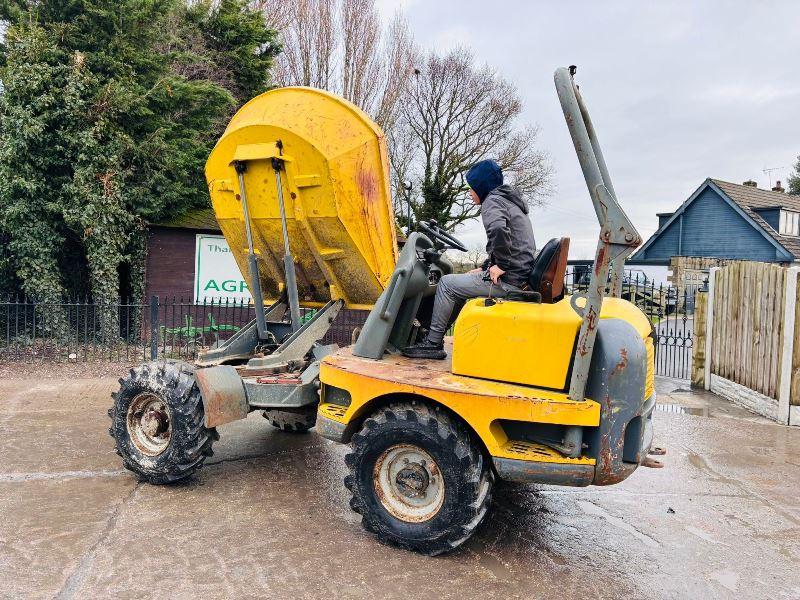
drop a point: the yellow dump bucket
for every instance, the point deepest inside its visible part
(335, 188)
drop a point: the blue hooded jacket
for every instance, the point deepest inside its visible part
(509, 232)
(484, 176)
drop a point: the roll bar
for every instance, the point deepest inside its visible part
(618, 237)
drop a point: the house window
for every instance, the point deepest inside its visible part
(790, 223)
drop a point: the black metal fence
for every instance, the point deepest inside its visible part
(82, 330)
(670, 310)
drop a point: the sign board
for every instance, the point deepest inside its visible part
(216, 274)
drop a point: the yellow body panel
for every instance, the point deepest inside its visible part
(617, 308)
(525, 342)
(335, 187)
(519, 342)
(514, 350)
(480, 403)
(650, 381)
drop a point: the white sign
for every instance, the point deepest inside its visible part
(216, 274)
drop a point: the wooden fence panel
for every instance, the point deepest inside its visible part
(699, 342)
(778, 331)
(794, 394)
(748, 329)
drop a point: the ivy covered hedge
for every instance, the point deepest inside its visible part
(108, 111)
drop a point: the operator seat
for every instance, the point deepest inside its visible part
(549, 268)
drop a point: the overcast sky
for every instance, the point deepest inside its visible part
(677, 91)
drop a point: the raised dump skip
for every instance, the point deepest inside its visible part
(335, 189)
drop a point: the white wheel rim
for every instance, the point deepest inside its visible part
(408, 483)
(149, 424)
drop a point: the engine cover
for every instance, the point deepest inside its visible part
(527, 343)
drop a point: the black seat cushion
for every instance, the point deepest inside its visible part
(547, 274)
(543, 260)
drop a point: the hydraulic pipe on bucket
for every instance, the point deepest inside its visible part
(288, 260)
(252, 259)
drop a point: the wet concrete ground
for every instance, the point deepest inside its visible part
(268, 516)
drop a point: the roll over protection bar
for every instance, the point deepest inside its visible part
(618, 237)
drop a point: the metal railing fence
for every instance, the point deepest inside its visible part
(131, 331)
(669, 308)
(135, 331)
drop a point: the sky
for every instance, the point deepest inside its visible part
(677, 92)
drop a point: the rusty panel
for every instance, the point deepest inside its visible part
(224, 398)
(523, 471)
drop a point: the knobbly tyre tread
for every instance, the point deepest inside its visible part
(292, 422)
(468, 491)
(191, 441)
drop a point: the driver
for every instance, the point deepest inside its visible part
(510, 248)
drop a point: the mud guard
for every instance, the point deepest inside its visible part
(617, 383)
(223, 393)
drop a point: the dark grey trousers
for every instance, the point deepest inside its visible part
(452, 291)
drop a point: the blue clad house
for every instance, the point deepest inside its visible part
(728, 221)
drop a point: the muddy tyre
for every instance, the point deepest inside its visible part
(292, 421)
(157, 422)
(417, 478)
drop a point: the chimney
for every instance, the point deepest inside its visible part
(778, 187)
(750, 183)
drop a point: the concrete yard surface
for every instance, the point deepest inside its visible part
(268, 516)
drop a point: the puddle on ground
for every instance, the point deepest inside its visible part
(495, 566)
(684, 410)
(703, 535)
(590, 508)
(727, 578)
(488, 561)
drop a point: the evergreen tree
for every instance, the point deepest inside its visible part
(237, 45)
(794, 179)
(108, 112)
(34, 159)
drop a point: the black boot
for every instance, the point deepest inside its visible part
(426, 349)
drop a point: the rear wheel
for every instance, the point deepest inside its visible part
(157, 422)
(417, 478)
(297, 420)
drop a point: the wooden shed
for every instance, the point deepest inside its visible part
(171, 254)
(174, 257)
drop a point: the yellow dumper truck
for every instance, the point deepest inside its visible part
(538, 387)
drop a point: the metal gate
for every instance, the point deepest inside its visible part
(670, 310)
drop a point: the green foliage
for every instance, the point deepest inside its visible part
(107, 114)
(34, 160)
(237, 47)
(794, 179)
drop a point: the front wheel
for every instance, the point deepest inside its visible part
(417, 478)
(157, 422)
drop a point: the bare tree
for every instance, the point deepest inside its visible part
(476, 256)
(464, 262)
(440, 113)
(308, 33)
(453, 114)
(340, 46)
(400, 53)
(360, 31)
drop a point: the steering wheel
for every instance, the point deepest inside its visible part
(431, 228)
